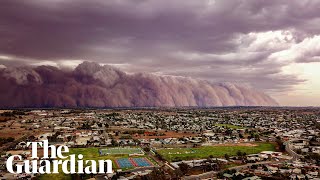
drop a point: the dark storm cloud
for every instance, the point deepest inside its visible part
(93, 85)
(213, 40)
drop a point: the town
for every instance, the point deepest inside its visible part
(172, 143)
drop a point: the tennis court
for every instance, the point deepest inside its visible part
(133, 162)
(124, 163)
(142, 162)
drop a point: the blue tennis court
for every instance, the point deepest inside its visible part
(141, 162)
(124, 163)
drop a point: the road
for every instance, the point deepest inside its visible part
(291, 152)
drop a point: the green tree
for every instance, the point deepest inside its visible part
(227, 157)
(146, 149)
(184, 168)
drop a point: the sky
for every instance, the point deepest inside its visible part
(271, 45)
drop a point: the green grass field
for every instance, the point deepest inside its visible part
(121, 151)
(230, 126)
(176, 154)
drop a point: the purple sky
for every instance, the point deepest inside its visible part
(273, 45)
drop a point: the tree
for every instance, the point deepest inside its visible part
(69, 138)
(114, 142)
(227, 157)
(158, 174)
(299, 151)
(178, 173)
(240, 136)
(257, 137)
(239, 153)
(184, 168)
(146, 149)
(282, 147)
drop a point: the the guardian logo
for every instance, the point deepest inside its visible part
(69, 164)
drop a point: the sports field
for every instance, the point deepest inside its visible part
(177, 154)
(230, 126)
(91, 153)
(126, 150)
(133, 162)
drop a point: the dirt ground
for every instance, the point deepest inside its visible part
(13, 129)
(4, 119)
(15, 133)
(17, 152)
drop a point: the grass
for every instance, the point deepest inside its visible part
(152, 161)
(60, 176)
(230, 126)
(177, 154)
(121, 151)
(230, 165)
(88, 154)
